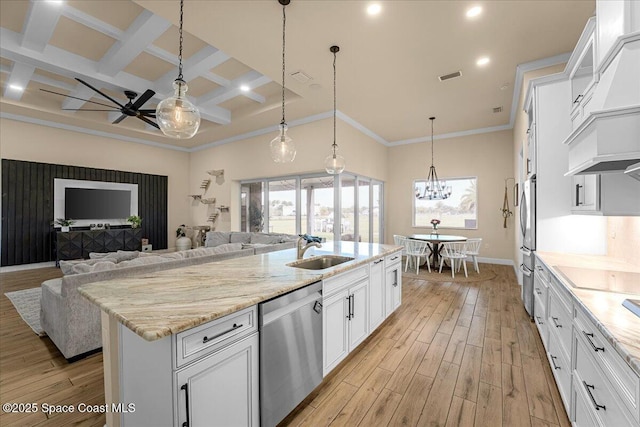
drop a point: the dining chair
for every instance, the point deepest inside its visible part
(415, 249)
(473, 250)
(455, 251)
(398, 240)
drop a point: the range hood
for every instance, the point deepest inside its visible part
(607, 141)
(633, 171)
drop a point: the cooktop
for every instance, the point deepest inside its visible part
(625, 282)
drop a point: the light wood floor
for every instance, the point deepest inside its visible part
(452, 355)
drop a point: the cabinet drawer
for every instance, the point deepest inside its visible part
(541, 291)
(541, 319)
(559, 320)
(602, 402)
(562, 292)
(620, 376)
(560, 367)
(542, 271)
(392, 259)
(582, 414)
(336, 283)
(211, 336)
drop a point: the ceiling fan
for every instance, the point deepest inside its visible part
(130, 109)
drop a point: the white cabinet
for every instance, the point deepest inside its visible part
(393, 285)
(221, 389)
(611, 194)
(586, 193)
(207, 375)
(376, 294)
(582, 76)
(615, 19)
(345, 321)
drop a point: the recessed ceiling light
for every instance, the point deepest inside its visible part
(482, 61)
(16, 87)
(374, 9)
(474, 11)
(244, 88)
(55, 1)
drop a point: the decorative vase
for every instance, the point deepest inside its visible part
(183, 243)
(435, 230)
(65, 228)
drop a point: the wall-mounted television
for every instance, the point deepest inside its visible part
(94, 202)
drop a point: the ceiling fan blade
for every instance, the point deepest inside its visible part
(143, 98)
(119, 119)
(98, 91)
(148, 111)
(144, 119)
(81, 99)
(86, 109)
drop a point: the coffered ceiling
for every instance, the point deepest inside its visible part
(388, 64)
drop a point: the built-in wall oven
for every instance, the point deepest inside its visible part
(528, 229)
(290, 351)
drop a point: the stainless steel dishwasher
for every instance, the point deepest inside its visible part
(290, 351)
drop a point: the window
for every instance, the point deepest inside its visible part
(347, 207)
(458, 211)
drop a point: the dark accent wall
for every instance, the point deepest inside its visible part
(27, 206)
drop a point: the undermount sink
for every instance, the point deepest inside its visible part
(320, 262)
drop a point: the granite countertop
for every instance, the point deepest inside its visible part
(159, 304)
(618, 324)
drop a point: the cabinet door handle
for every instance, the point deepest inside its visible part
(185, 387)
(540, 322)
(348, 307)
(528, 166)
(589, 387)
(553, 362)
(352, 305)
(578, 187)
(394, 258)
(589, 336)
(233, 328)
(395, 277)
(555, 322)
(578, 98)
(538, 291)
(378, 261)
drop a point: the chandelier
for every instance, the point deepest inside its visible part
(334, 163)
(283, 150)
(434, 188)
(177, 117)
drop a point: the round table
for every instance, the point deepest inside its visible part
(436, 240)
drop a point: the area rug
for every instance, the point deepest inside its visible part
(27, 303)
(486, 273)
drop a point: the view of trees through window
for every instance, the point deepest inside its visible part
(460, 210)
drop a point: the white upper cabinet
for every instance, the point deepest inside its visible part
(616, 18)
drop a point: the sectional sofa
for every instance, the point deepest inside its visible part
(73, 324)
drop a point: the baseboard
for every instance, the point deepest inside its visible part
(22, 267)
(500, 261)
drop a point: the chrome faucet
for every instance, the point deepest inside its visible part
(302, 249)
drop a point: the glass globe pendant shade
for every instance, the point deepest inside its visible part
(283, 150)
(334, 164)
(176, 116)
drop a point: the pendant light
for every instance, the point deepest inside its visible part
(176, 116)
(283, 150)
(434, 189)
(334, 163)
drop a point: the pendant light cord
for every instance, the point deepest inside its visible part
(180, 49)
(284, 24)
(432, 140)
(334, 105)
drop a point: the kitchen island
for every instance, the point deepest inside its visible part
(160, 326)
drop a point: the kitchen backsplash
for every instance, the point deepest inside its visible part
(623, 238)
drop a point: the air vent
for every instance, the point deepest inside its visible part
(300, 76)
(497, 110)
(450, 76)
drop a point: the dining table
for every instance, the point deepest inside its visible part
(435, 242)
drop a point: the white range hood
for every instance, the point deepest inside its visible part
(607, 141)
(633, 171)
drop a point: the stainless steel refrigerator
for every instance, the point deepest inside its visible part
(528, 229)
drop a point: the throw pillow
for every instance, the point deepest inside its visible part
(217, 238)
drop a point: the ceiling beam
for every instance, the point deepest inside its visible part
(142, 32)
(39, 24)
(79, 91)
(252, 79)
(19, 77)
(202, 61)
